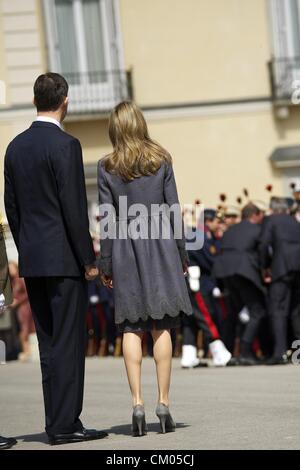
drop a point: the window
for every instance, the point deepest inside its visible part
(285, 22)
(84, 45)
(285, 26)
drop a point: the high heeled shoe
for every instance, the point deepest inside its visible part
(167, 423)
(139, 427)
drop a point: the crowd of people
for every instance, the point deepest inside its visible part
(17, 327)
(244, 285)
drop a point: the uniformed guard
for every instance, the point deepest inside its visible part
(202, 291)
(296, 195)
(232, 215)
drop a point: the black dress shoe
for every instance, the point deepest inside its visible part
(234, 361)
(78, 436)
(281, 360)
(7, 442)
(248, 361)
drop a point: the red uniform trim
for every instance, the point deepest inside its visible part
(207, 317)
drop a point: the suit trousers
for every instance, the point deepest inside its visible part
(284, 304)
(59, 307)
(244, 293)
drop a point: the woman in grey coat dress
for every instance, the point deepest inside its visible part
(143, 255)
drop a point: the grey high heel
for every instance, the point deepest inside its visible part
(167, 423)
(139, 427)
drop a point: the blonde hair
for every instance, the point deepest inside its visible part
(134, 153)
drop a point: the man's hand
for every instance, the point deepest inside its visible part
(106, 281)
(91, 272)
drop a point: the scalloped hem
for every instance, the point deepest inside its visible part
(167, 322)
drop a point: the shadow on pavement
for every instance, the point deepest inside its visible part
(41, 437)
(125, 429)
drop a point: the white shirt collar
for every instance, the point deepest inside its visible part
(48, 119)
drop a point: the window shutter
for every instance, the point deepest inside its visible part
(285, 26)
(51, 35)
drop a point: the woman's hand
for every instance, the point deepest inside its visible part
(91, 272)
(185, 269)
(106, 281)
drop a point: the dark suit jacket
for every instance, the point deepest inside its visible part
(280, 245)
(45, 202)
(240, 253)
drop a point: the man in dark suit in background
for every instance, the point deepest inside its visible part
(280, 260)
(46, 206)
(238, 268)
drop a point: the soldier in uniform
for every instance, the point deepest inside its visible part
(280, 260)
(202, 292)
(232, 215)
(238, 268)
(296, 194)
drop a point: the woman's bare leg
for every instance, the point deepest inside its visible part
(132, 352)
(162, 352)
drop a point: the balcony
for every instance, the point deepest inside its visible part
(285, 80)
(97, 92)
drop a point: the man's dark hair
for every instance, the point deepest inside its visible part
(249, 210)
(50, 90)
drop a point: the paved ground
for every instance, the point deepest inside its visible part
(233, 408)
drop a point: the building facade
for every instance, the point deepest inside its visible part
(217, 80)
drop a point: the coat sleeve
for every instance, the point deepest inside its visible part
(203, 258)
(106, 242)
(69, 172)
(171, 197)
(10, 201)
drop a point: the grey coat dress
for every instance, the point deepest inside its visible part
(148, 282)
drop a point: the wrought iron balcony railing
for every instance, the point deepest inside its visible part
(285, 80)
(98, 92)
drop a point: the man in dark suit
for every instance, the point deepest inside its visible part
(238, 268)
(280, 260)
(46, 206)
